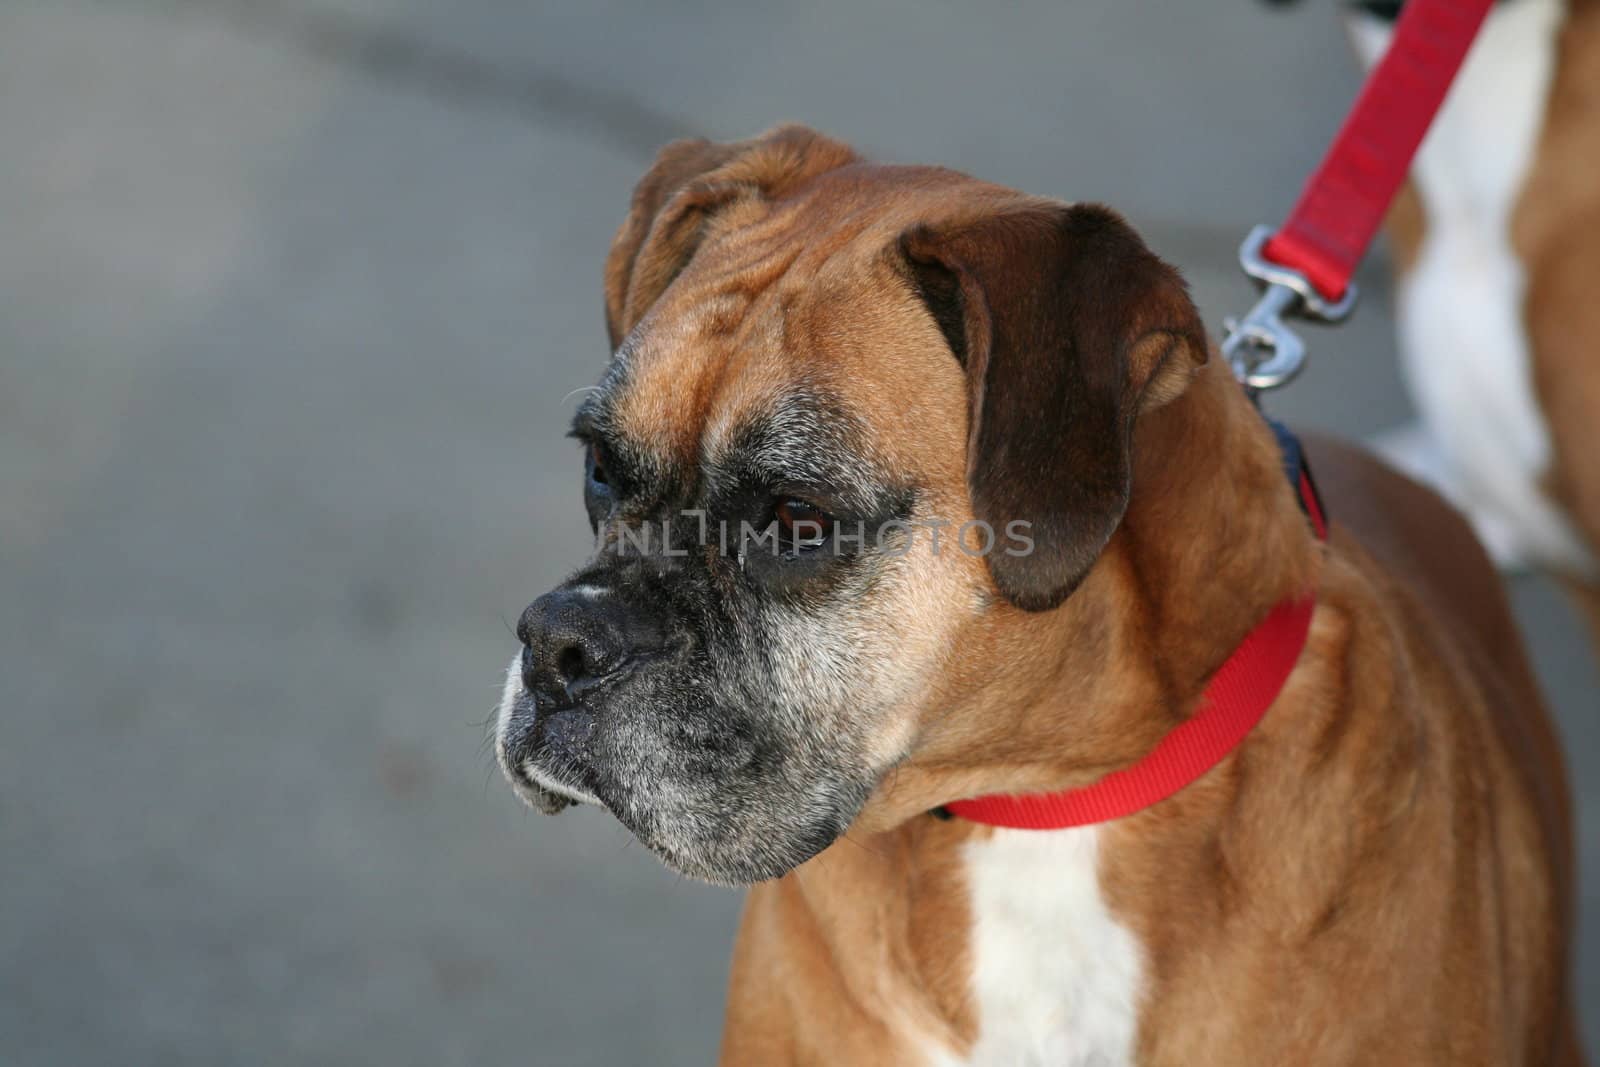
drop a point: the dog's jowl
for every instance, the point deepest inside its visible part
(909, 489)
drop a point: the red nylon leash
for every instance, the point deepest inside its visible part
(1305, 268)
(1343, 203)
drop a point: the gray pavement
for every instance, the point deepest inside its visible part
(292, 299)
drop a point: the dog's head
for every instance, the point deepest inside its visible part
(853, 410)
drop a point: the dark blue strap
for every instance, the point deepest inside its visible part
(1298, 471)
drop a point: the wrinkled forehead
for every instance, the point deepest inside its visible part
(810, 357)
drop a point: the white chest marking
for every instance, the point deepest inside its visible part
(1056, 978)
(1463, 346)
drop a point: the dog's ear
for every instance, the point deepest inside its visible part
(1068, 327)
(688, 183)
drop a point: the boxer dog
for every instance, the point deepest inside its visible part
(1497, 245)
(844, 357)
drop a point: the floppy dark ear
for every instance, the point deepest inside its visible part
(689, 181)
(1068, 327)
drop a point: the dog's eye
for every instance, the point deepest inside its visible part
(802, 525)
(599, 494)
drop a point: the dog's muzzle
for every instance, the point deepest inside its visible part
(577, 642)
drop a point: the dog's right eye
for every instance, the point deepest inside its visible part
(598, 492)
(803, 525)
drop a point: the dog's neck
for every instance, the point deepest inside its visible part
(1054, 700)
(1057, 699)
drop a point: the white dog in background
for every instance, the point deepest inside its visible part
(1499, 338)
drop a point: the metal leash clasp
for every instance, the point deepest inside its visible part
(1263, 351)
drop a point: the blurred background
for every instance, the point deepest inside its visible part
(293, 298)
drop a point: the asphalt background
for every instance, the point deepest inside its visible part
(292, 299)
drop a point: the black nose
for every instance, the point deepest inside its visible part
(575, 638)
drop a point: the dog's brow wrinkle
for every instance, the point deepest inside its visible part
(722, 314)
(803, 436)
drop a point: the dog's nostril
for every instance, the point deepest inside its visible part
(570, 664)
(559, 668)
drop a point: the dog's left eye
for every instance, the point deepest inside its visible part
(597, 466)
(802, 525)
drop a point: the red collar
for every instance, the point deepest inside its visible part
(1235, 699)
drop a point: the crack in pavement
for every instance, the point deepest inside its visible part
(396, 56)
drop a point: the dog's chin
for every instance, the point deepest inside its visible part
(735, 869)
(547, 793)
(700, 846)
(759, 858)
(733, 849)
